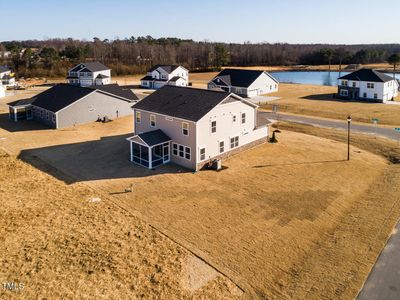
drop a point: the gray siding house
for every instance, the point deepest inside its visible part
(67, 105)
(246, 83)
(191, 127)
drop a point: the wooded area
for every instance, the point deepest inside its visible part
(54, 57)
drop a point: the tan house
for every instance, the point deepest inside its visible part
(191, 127)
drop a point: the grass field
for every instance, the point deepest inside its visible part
(318, 101)
(62, 245)
(292, 220)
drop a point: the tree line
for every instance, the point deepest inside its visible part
(53, 57)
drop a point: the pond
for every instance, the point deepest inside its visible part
(314, 77)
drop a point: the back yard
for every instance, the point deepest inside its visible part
(290, 220)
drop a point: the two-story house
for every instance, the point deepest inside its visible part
(161, 75)
(367, 84)
(7, 77)
(246, 83)
(89, 73)
(190, 127)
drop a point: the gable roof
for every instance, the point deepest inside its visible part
(93, 66)
(182, 102)
(21, 102)
(166, 68)
(239, 77)
(62, 95)
(116, 90)
(367, 75)
(155, 137)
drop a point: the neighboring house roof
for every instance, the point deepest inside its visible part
(62, 95)
(94, 66)
(21, 102)
(152, 138)
(116, 90)
(367, 75)
(166, 68)
(102, 76)
(147, 77)
(175, 78)
(85, 70)
(182, 102)
(240, 77)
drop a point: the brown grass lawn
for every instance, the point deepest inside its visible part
(283, 221)
(61, 245)
(313, 100)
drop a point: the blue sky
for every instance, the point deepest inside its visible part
(301, 21)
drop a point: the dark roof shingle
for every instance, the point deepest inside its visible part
(116, 90)
(367, 75)
(166, 68)
(239, 77)
(155, 137)
(182, 102)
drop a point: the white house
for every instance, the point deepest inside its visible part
(161, 75)
(88, 74)
(367, 84)
(7, 77)
(191, 127)
(246, 83)
(2, 91)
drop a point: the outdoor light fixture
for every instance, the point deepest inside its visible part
(348, 137)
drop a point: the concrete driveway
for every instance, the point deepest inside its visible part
(383, 282)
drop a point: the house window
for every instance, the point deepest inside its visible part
(181, 150)
(365, 95)
(221, 147)
(213, 126)
(202, 153)
(138, 117)
(234, 142)
(344, 82)
(185, 128)
(42, 114)
(243, 118)
(370, 85)
(354, 84)
(47, 115)
(187, 153)
(53, 118)
(375, 96)
(344, 93)
(234, 118)
(152, 120)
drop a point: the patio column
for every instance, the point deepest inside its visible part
(131, 158)
(15, 114)
(150, 158)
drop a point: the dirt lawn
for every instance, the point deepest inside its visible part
(291, 220)
(313, 100)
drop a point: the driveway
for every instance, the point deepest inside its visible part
(383, 282)
(389, 133)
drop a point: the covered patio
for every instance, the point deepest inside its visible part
(20, 110)
(150, 149)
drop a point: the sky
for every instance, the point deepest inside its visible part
(239, 21)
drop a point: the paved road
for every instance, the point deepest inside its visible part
(369, 129)
(383, 282)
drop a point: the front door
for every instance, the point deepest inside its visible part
(166, 157)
